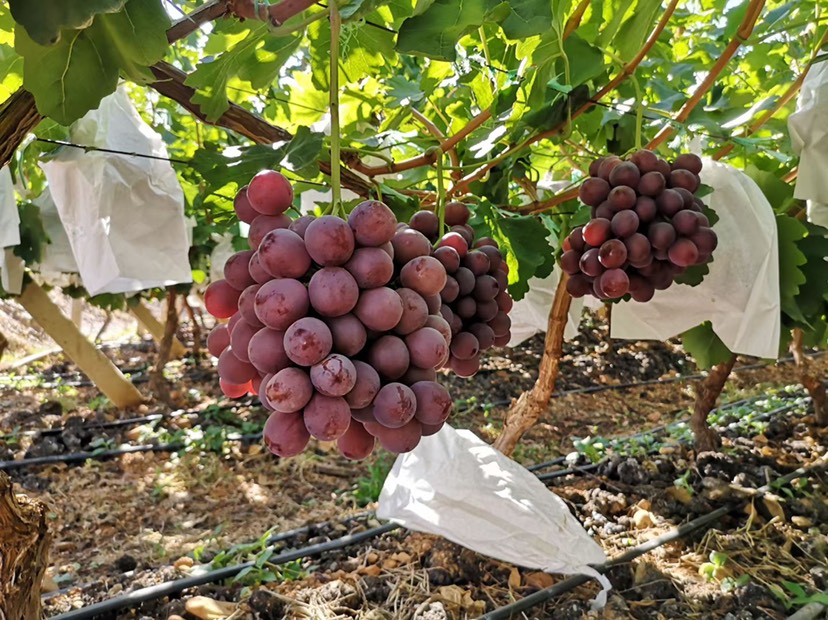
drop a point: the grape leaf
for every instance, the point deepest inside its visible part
(136, 37)
(67, 79)
(523, 239)
(303, 151)
(71, 77)
(778, 193)
(219, 170)
(634, 30)
(790, 232)
(812, 299)
(436, 31)
(705, 346)
(44, 20)
(32, 234)
(527, 18)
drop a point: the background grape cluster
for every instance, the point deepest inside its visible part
(475, 299)
(647, 227)
(339, 327)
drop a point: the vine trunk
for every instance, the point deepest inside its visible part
(814, 385)
(24, 553)
(707, 393)
(525, 412)
(159, 384)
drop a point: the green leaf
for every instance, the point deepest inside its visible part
(523, 240)
(45, 19)
(436, 31)
(219, 170)
(527, 18)
(303, 151)
(67, 79)
(790, 231)
(812, 299)
(71, 77)
(136, 37)
(778, 193)
(633, 31)
(32, 234)
(705, 346)
(586, 61)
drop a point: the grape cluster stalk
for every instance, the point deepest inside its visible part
(337, 325)
(647, 227)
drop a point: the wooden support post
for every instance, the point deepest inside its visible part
(156, 329)
(77, 313)
(99, 368)
(812, 383)
(24, 553)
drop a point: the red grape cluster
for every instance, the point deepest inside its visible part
(647, 227)
(475, 298)
(334, 324)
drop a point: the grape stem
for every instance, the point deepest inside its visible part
(441, 197)
(336, 163)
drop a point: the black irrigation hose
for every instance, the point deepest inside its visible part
(656, 430)
(79, 457)
(532, 600)
(584, 469)
(276, 538)
(676, 379)
(93, 425)
(174, 587)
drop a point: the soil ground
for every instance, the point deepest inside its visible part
(138, 519)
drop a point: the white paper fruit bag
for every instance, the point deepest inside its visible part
(459, 487)
(530, 315)
(740, 295)
(809, 134)
(124, 215)
(11, 267)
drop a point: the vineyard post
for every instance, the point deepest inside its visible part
(156, 329)
(99, 368)
(24, 553)
(814, 385)
(525, 412)
(707, 393)
(4, 344)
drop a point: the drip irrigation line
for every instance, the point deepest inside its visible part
(152, 417)
(547, 594)
(174, 587)
(584, 469)
(79, 457)
(273, 540)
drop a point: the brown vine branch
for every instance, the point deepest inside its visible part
(575, 19)
(754, 10)
(276, 14)
(192, 21)
(427, 159)
(4, 344)
(462, 186)
(707, 393)
(781, 102)
(814, 385)
(170, 83)
(195, 327)
(435, 131)
(158, 382)
(525, 412)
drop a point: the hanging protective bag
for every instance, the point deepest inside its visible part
(124, 215)
(740, 294)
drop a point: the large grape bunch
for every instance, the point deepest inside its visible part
(475, 299)
(333, 324)
(647, 227)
